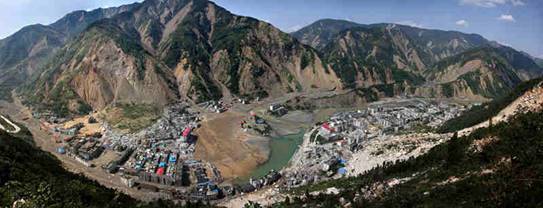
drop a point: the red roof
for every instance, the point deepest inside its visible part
(326, 126)
(187, 131)
(160, 171)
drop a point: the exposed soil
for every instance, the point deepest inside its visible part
(88, 129)
(222, 142)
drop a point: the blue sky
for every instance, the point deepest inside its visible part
(518, 23)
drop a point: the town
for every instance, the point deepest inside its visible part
(160, 158)
(329, 145)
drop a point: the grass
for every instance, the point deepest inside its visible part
(131, 117)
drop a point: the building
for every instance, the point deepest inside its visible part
(277, 110)
(128, 181)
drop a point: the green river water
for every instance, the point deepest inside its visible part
(282, 148)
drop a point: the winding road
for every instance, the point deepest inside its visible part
(15, 127)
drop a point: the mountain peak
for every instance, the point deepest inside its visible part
(321, 32)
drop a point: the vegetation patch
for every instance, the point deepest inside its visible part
(131, 117)
(478, 114)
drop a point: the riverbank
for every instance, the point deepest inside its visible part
(282, 148)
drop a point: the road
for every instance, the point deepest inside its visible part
(15, 127)
(43, 140)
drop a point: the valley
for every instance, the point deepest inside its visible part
(230, 154)
(166, 103)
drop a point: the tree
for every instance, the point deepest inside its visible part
(455, 151)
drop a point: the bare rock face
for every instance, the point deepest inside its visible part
(162, 51)
(421, 62)
(97, 71)
(159, 51)
(23, 54)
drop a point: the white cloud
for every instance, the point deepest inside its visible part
(517, 2)
(491, 3)
(506, 17)
(410, 23)
(462, 23)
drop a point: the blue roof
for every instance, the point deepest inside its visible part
(173, 158)
(61, 150)
(342, 171)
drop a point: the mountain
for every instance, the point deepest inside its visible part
(422, 62)
(484, 112)
(24, 52)
(159, 51)
(538, 61)
(322, 32)
(75, 22)
(163, 50)
(387, 53)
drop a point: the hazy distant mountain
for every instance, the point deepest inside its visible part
(322, 32)
(163, 50)
(539, 62)
(26, 50)
(418, 61)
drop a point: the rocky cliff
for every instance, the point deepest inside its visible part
(26, 51)
(161, 51)
(421, 62)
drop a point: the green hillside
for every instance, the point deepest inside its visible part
(478, 114)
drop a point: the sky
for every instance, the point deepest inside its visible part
(516, 23)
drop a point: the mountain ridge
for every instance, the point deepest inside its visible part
(205, 51)
(27, 50)
(156, 52)
(385, 53)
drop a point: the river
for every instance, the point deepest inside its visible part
(281, 150)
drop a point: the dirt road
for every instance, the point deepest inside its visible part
(15, 128)
(44, 141)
